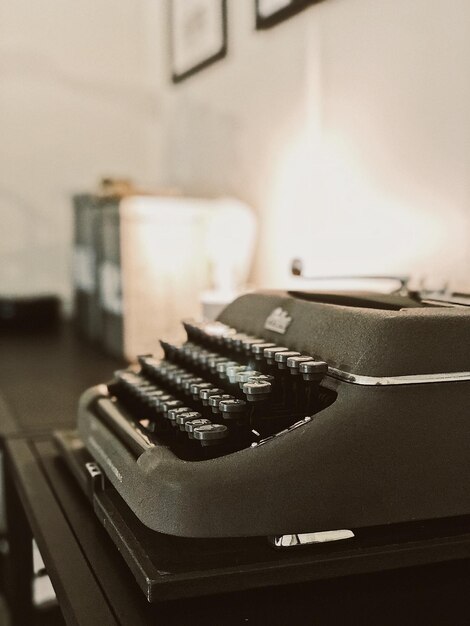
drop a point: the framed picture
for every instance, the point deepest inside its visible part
(271, 12)
(198, 35)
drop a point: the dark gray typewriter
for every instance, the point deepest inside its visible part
(301, 436)
(292, 416)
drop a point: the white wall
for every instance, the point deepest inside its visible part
(346, 127)
(71, 109)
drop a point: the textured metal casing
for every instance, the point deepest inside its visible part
(378, 455)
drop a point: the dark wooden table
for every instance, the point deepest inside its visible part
(41, 378)
(95, 587)
(42, 374)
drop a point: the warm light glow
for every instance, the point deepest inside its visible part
(325, 207)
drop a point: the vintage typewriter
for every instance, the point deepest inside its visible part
(297, 417)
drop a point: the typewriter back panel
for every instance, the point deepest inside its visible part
(388, 341)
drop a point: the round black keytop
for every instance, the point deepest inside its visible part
(172, 374)
(200, 356)
(164, 369)
(174, 413)
(281, 358)
(313, 370)
(215, 400)
(205, 394)
(205, 358)
(188, 416)
(213, 361)
(232, 409)
(257, 390)
(257, 349)
(191, 381)
(223, 366)
(210, 434)
(196, 388)
(270, 353)
(234, 370)
(187, 348)
(170, 404)
(293, 363)
(158, 402)
(190, 425)
(249, 342)
(143, 390)
(244, 375)
(181, 377)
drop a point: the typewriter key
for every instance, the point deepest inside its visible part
(223, 366)
(187, 349)
(293, 363)
(186, 384)
(173, 413)
(281, 358)
(196, 388)
(170, 404)
(232, 409)
(215, 400)
(148, 362)
(210, 434)
(257, 349)
(181, 377)
(139, 388)
(213, 362)
(207, 393)
(243, 376)
(234, 370)
(158, 402)
(205, 358)
(257, 390)
(270, 353)
(171, 376)
(249, 342)
(151, 396)
(313, 370)
(192, 424)
(237, 340)
(188, 416)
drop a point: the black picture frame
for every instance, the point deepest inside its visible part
(219, 53)
(292, 8)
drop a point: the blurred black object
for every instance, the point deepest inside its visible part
(29, 313)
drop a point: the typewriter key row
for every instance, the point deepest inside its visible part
(170, 409)
(222, 389)
(196, 352)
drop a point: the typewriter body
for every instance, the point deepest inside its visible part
(293, 413)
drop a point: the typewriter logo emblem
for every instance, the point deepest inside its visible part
(278, 321)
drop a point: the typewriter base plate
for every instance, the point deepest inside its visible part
(167, 567)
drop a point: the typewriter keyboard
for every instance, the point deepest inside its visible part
(220, 391)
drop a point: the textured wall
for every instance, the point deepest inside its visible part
(346, 127)
(71, 109)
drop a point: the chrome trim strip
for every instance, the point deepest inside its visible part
(414, 379)
(304, 539)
